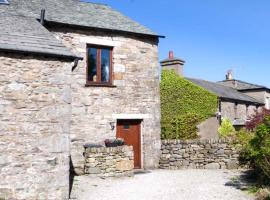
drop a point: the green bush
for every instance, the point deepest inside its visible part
(243, 137)
(260, 148)
(256, 152)
(226, 129)
(183, 106)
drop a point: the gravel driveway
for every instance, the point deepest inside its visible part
(162, 185)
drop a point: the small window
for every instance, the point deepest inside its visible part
(4, 2)
(99, 65)
(126, 126)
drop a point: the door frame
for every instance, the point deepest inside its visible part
(141, 137)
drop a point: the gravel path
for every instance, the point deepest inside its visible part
(162, 185)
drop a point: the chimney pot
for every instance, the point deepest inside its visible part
(229, 75)
(171, 56)
(173, 63)
(42, 16)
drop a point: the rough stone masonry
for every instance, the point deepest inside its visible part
(109, 162)
(198, 154)
(34, 127)
(135, 92)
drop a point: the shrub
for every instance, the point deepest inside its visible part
(183, 106)
(260, 148)
(257, 118)
(257, 152)
(263, 194)
(243, 137)
(226, 129)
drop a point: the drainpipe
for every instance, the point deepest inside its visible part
(76, 61)
(219, 111)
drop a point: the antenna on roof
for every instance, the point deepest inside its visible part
(42, 16)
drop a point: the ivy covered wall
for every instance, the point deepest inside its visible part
(183, 106)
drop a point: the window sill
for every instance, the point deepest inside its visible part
(99, 85)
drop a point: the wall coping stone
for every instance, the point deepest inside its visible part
(197, 141)
(108, 149)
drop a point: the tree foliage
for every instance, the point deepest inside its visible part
(260, 147)
(257, 118)
(183, 106)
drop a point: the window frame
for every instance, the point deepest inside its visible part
(98, 82)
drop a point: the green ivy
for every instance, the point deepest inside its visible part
(183, 106)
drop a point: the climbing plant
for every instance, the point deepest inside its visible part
(183, 106)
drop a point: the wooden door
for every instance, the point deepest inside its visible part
(130, 131)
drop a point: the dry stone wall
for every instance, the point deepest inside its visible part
(135, 92)
(34, 127)
(109, 162)
(198, 154)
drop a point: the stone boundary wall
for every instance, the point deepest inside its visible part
(109, 162)
(198, 154)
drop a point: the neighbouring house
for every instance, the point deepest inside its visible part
(234, 105)
(52, 104)
(259, 92)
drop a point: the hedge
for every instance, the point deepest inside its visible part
(183, 106)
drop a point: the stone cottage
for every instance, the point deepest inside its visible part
(233, 104)
(259, 92)
(73, 73)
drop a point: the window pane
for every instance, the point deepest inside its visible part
(92, 64)
(105, 65)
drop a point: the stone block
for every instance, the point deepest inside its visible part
(93, 170)
(232, 164)
(212, 166)
(125, 165)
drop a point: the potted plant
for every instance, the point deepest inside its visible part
(114, 142)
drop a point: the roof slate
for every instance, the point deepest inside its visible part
(224, 91)
(77, 13)
(24, 34)
(241, 85)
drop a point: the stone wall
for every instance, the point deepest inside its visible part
(34, 127)
(243, 111)
(109, 162)
(135, 95)
(198, 154)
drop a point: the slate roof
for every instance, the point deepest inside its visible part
(22, 34)
(224, 91)
(74, 12)
(242, 85)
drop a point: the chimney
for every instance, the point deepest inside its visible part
(42, 16)
(173, 63)
(229, 75)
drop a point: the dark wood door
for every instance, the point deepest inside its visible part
(130, 131)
